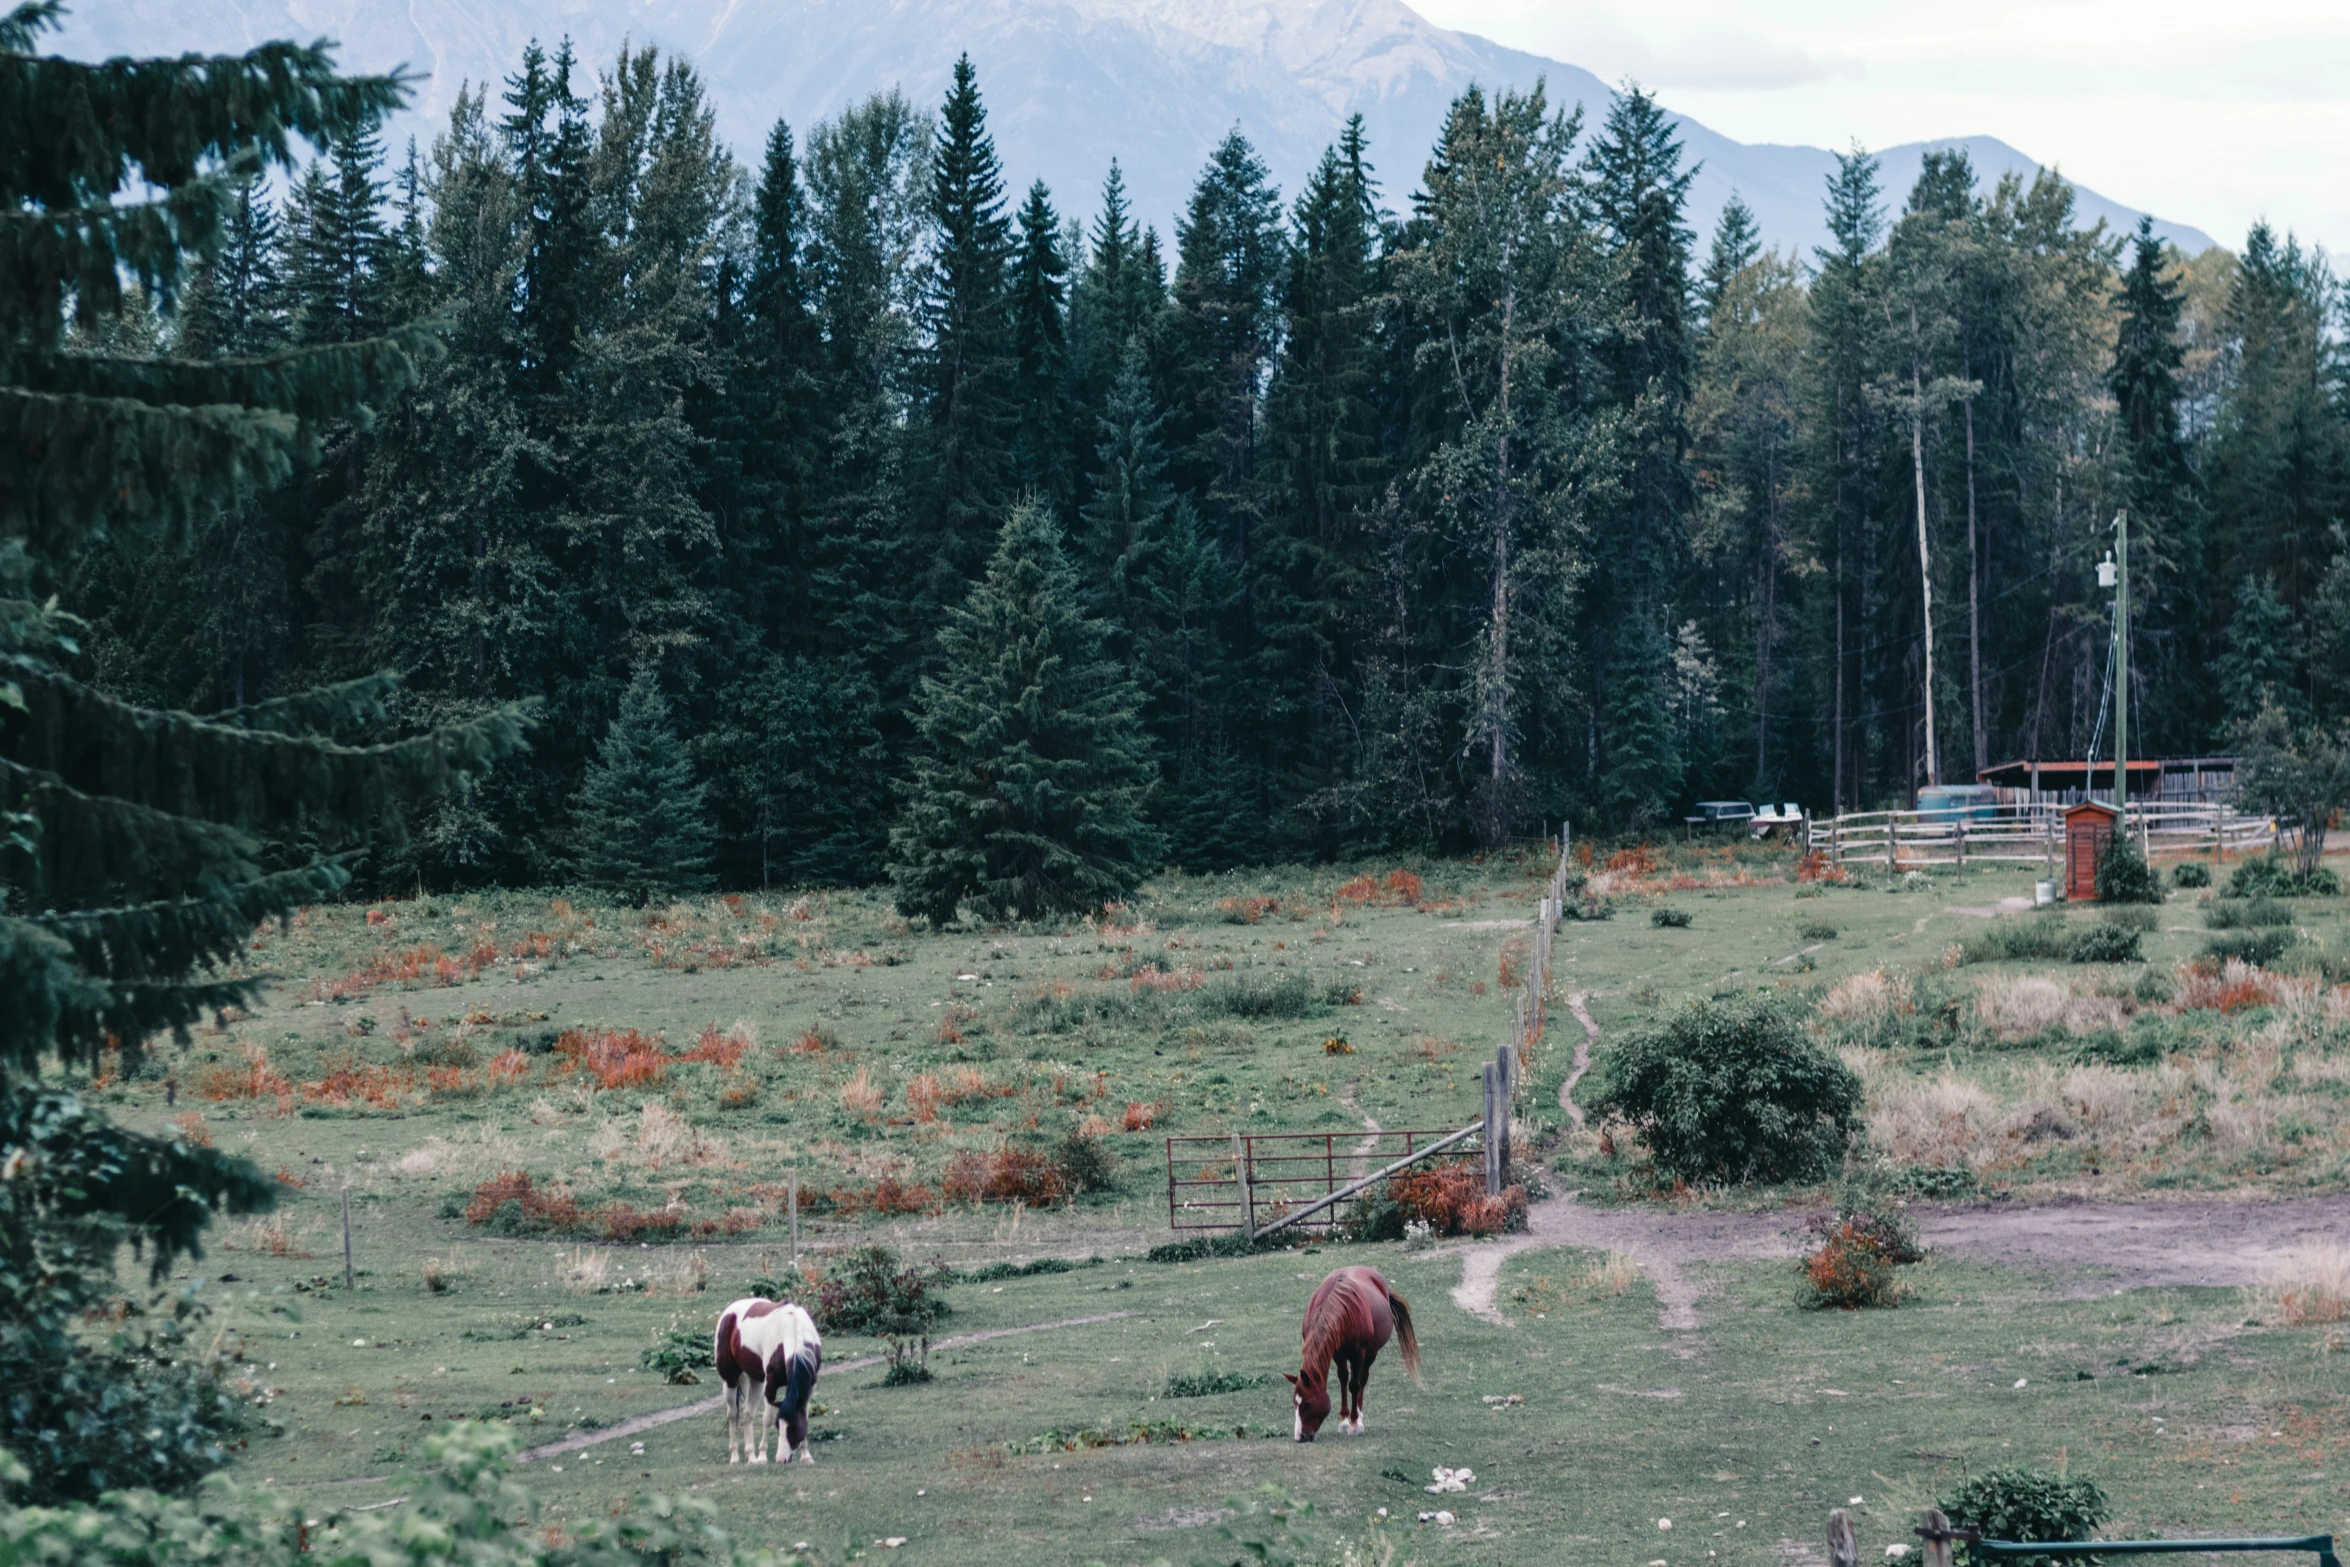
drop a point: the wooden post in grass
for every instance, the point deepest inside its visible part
(350, 1279)
(792, 1190)
(1492, 1135)
(1505, 1069)
(1935, 1530)
(1248, 1193)
(1843, 1546)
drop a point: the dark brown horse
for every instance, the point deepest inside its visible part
(1349, 1320)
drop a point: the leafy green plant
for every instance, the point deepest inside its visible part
(1816, 930)
(464, 1508)
(2130, 916)
(1669, 919)
(1854, 1265)
(2272, 875)
(2103, 942)
(2257, 947)
(1207, 1384)
(2027, 1505)
(678, 1355)
(1733, 1089)
(2123, 876)
(870, 1291)
(2252, 913)
(2043, 935)
(1262, 996)
(2190, 873)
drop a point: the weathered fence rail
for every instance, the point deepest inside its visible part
(1258, 1182)
(1940, 1536)
(2021, 834)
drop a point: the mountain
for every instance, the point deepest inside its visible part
(1069, 83)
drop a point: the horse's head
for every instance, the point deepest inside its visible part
(1310, 1394)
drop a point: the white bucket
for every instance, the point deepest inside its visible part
(2043, 893)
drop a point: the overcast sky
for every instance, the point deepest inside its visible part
(2212, 114)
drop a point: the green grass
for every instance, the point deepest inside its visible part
(1206, 1005)
(1782, 1414)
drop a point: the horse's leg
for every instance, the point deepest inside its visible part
(759, 1407)
(734, 1421)
(1346, 1392)
(1363, 1385)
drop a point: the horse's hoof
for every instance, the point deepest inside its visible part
(758, 1458)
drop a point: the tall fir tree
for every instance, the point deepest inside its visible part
(142, 847)
(1638, 192)
(1032, 775)
(1039, 462)
(1225, 327)
(642, 818)
(970, 362)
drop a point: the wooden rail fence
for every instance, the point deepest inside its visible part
(2022, 834)
(1258, 1182)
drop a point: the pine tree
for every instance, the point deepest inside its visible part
(142, 846)
(1313, 562)
(1032, 773)
(1737, 245)
(642, 819)
(233, 303)
(2259, 668)
(1638, 189)
(1039, 461)
(801, 771)
(1225, 327)
(969, 366)
(1119, 293)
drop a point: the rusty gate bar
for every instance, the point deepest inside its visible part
(1206, 1189)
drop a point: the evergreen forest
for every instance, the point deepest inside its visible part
(855, 511)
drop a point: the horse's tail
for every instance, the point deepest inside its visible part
(1404, 1335)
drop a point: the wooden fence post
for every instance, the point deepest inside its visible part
(1492, 1134)
(1506, 1071)
(792, 1190)
(1248, 1194)
(1892, 844)
(350, 1279)
(1843, 1546)
(1938, 1550)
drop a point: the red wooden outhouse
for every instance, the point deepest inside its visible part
(2088, 828)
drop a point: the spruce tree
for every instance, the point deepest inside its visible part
(969, 366)
(1737, 245)
(642, 821)
(143, 846)
(1031, 775)
(1225, 328)
(2258, 668)
(1039, 460)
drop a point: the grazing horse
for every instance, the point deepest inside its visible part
(768, 1355)
(1350, 1318)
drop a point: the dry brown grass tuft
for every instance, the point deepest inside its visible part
(861, 1096)
(2310, 1284)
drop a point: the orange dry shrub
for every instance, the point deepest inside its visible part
(2232, 987)
(950, 1027)
(1005, 1175)
(540, 1208)
(625, 1222)
(404, 968)
(254, 1079)
(1450, 1199)
(1249, 910)
(922, 1097)
(508, 1068)
(1155, 978)
(1403, 887)
(889, 1195)
(810, 1043)
(617, 1058)
(861, 1096)
(1362, 889)
(191, 1127)
(740, 1093)
(1139, 1116)
(452, 1082)
(721, 1047)
(965, 1083)
(739, 1221)
(1640, 861)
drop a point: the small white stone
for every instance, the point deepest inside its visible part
(894, 1541)
(1382, 1512)
(358, 1343)
(1444, 1520)
(1894, 1553)
(1855, 1502)
(2021, 1381)
(1664, 1523)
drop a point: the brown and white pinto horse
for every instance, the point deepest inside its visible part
(768, 1355)
(1350, 1318)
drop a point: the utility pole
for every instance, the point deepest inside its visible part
(2121, 679)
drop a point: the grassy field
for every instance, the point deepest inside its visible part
(658, 1075)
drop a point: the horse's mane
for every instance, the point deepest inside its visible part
(1326, 1323)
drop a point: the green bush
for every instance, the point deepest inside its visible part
(2257, 947)
(2043, 935)
(1262, 996)
(1817, 931)
(1854, 1264)
(464, 1509)
(1207, 1384)
(2252, 913)
(870, 1291)
(1084, 1163)
(680, 1353)
(1669, 919)
(2027, 1505)
(2103, 942)
(2190, 873)
(2123, 876)
(2131, 916)
(1733, 1089)
(2275, 876)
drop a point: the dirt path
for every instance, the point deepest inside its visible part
(717, 1401)
(2087, 1248)
(1576, 1004)
(1359, 1162)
